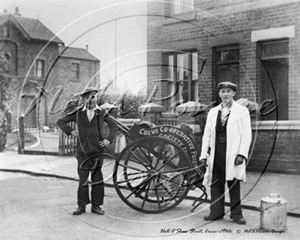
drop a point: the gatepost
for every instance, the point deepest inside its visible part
(21, 142)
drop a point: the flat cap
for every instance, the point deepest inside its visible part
(86, 91)
(227, 85)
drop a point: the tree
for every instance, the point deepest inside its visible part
(129, 103)
(5, 101)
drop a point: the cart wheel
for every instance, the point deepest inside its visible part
(150, 174)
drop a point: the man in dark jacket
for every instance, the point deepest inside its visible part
(90, 144)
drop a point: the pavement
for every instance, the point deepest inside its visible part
(34, 185)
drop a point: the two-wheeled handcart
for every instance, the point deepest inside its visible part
(158, 167)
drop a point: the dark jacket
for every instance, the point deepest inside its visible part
(90, 133)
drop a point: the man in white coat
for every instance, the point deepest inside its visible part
(225, 146)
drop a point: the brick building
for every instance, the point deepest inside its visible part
(39, 62)
(193, 45)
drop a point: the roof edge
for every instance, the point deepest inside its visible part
(95, 60)
(19, 26)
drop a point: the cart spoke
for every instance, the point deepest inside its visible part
(149, 153)
(139, 186)
(160, 154)
(179, 186)
(157, 197)
(169, 161)
(152, 174)
(146, 197)
(164, 187)
(139, 190)
(130, 167)
(145, 154)
(181, 170)
(173, 197)
(139, 162)
(138, 159)
(170, 179)
(130, 179)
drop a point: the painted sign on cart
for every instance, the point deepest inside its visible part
(179, 135)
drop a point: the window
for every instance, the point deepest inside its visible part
(5, 58)
(226, 66)
(40, 68)
(182, 6)
(183, 77)
(75, 70)
(5, 32)
(274, 77)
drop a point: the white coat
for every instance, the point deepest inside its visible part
(238, 138)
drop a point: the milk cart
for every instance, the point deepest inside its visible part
(158, 167)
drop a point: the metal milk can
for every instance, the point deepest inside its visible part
(273, 213)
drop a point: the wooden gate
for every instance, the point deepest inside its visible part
(67, 144)
(46, 140)
(39, 140)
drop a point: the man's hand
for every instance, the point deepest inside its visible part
(239, 160)
(75, 133)
(204, 160)
(104, 143)
(204, 166)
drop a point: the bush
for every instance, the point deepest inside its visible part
(3, 131)
(127, 103)
(5, 101)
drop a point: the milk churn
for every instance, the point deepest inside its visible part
(273, 213)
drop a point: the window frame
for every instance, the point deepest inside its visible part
(39, 69)
(75, 72)
(217, 63)
(5, 31)
(177, 83)
(262, 62)
(181, 3)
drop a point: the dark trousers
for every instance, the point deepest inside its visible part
(90, 164)
(217, 207)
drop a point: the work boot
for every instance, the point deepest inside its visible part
(97, 210)
(79, 210)
(240, 221)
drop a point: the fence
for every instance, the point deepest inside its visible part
(50, 140)
(38, 140)
(67, 144)
(167, 121)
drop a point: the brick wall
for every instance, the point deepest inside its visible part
(88, 76)
(57, 73)
(23, 72)
(226, 25)
(218, 23)
(277, 151)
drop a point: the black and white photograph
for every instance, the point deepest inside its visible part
(149, 119)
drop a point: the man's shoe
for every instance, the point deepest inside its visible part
(211, 218)
(97, 210)
(79, 211)
(240, 221)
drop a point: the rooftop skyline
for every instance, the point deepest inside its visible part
(114, 31)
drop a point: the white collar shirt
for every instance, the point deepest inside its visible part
(90, 112)
(225, 112)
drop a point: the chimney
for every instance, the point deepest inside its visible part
(5, 11)
(87, 48)
(17, 12)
